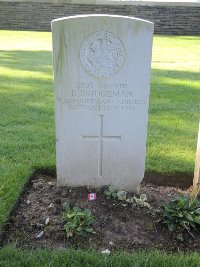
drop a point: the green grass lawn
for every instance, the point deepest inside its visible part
(27, 128)
(10, 257)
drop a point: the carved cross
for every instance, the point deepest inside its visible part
(101, 138)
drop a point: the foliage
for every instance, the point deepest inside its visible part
(141, 201)
(111, 192)
(122, 195)
(77, 221)
(181, 214)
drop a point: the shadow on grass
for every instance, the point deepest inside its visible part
(36, 61)
(178, 75)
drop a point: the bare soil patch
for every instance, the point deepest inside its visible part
(117, 227)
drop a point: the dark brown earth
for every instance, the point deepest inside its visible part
(117, 227)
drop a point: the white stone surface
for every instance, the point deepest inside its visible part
(102, 75)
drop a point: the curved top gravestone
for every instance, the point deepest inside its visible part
(102, 75)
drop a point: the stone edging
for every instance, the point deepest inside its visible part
(113, 2)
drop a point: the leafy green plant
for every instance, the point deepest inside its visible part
(77, 221)
(111, 192)
(122, 195)
(141, 201)
(181, 214)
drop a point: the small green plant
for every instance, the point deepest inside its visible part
(122, 195)
(77, 221)
(111, 192)
(141, 201)
(181, 214)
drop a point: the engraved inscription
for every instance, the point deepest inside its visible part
(102, 54)
(100, 138)
(102, 97)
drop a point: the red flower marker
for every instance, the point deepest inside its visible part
(92, 196)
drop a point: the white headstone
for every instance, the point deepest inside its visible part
(102, 76)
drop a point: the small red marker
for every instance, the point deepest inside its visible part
(92, 196)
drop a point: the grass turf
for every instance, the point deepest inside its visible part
(27, 130)
(12, 257)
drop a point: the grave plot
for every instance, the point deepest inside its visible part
(37, 221)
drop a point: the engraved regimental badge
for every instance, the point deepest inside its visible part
(102, 54)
